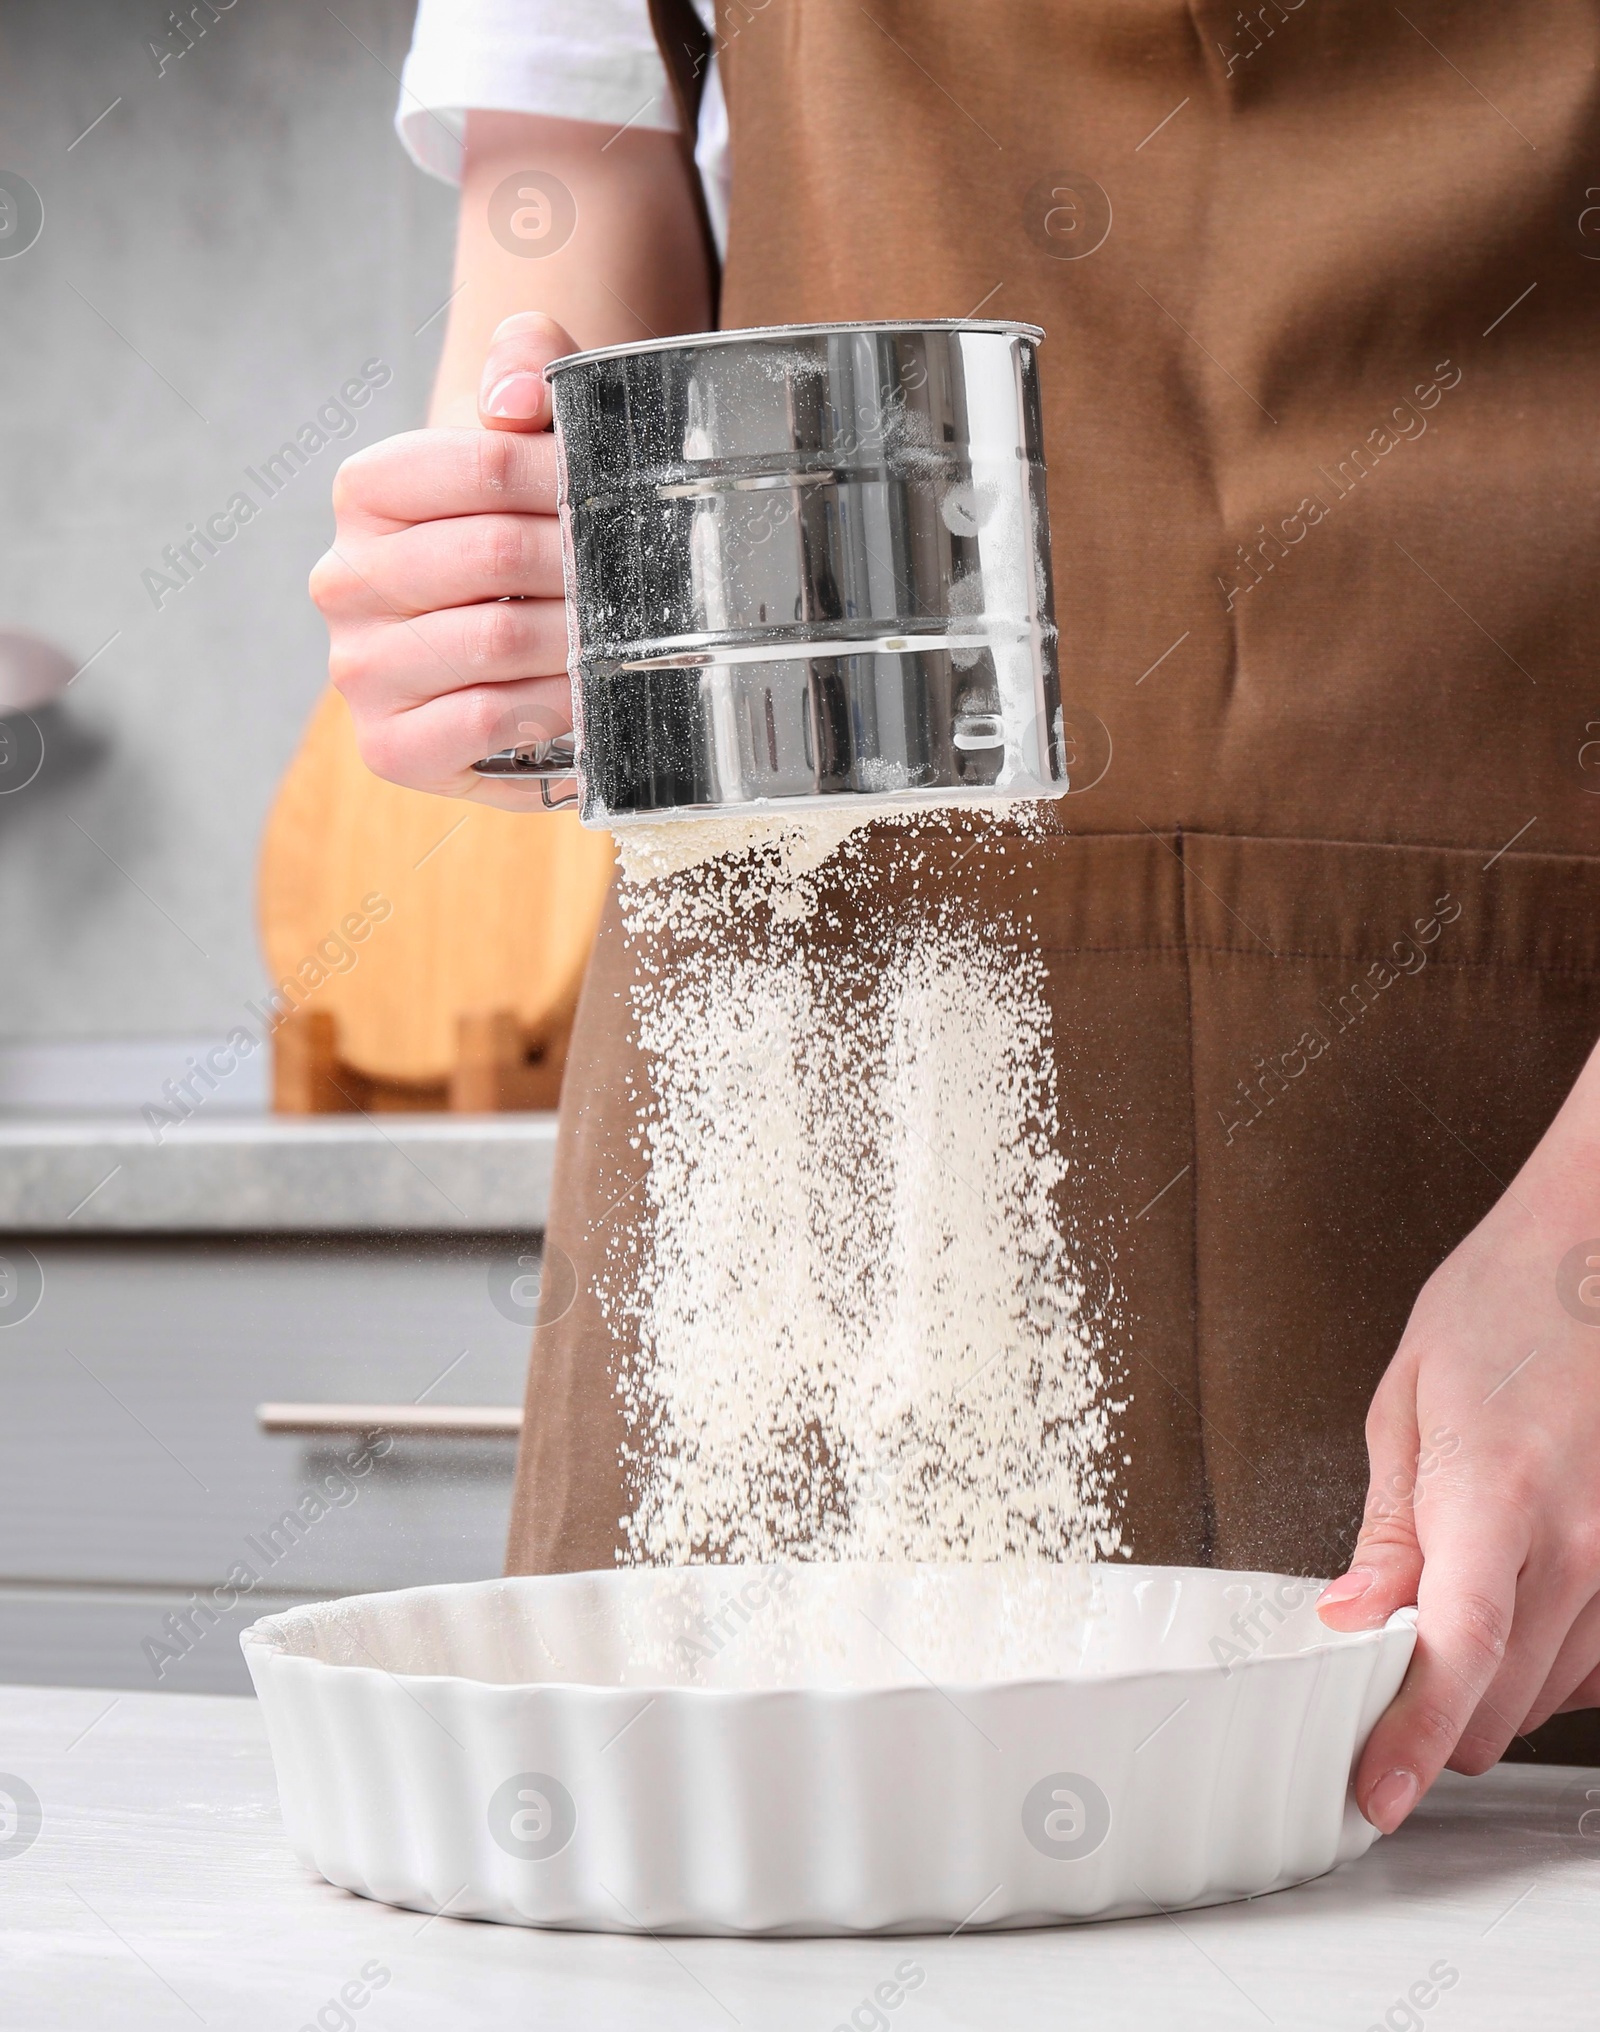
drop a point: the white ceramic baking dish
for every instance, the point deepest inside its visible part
(823, 1749)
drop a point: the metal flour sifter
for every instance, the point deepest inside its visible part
(803, 564)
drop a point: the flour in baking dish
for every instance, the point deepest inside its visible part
(858, 1328)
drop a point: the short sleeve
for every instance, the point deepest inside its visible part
(566, 59)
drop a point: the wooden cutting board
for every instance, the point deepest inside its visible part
(399, 914)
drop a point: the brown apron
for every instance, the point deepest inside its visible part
(1319, 289)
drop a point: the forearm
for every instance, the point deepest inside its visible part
(635, 266)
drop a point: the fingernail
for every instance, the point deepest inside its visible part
(1349, 1587)
(517, 398)
(1391, 1799)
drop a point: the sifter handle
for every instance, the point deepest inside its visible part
(541, 762)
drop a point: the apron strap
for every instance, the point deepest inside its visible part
(688, 49)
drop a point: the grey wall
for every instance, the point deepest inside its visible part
(218, 256)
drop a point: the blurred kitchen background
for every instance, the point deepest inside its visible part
(229, 239)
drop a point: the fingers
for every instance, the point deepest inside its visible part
(425, 475)
(1585, 1694)
(1573, 1680)
(513, 394)
(443, 587)
(1465, 1601)
(508, 467)
(433, 746)
(1543, 1619)
(389, 666)
(459, 563)
(1385, 1566)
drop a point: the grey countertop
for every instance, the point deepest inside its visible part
(159, 1892)
(64, 1174)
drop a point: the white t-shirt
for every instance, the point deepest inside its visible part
(569, 59)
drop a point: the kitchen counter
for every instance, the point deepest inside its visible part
(160, 1893)
(66, 1174)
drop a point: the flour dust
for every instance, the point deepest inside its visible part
(857, 1330)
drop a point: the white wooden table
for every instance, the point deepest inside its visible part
(159, 1892)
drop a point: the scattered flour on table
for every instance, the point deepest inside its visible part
(858, 1328)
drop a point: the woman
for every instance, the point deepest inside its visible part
(1324, 942)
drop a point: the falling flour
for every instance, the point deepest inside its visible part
(857, 1329)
